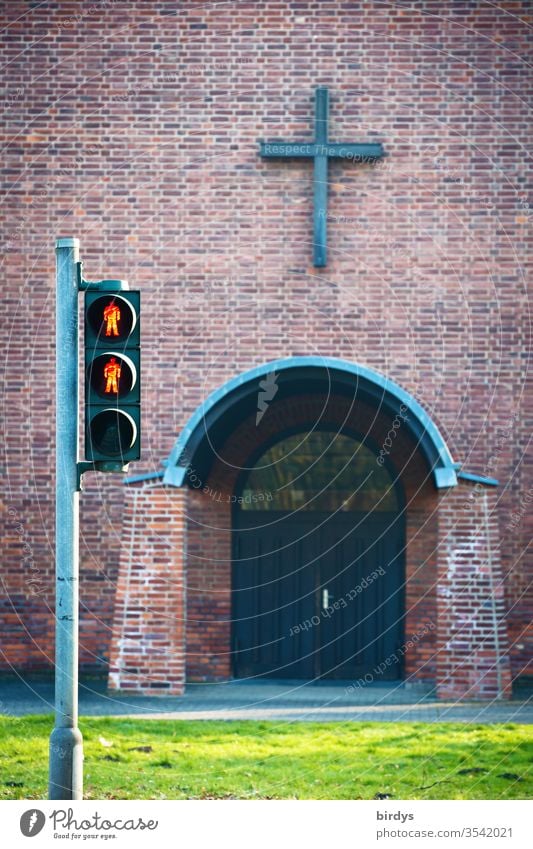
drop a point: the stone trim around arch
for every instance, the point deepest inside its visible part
(241, 392)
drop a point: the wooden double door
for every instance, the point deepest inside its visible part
(317, 595)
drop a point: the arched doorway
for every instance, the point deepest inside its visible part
(189, 571)
(318, 561)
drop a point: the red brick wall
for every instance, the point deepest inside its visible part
(135, 128)
(473, 654)
(421, 586)
(148, 636)
(209, 585)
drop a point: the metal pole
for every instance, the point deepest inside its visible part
(66, 743)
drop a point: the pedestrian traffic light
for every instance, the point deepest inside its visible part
(112, 376)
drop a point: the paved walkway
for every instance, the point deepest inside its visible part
(269, 700)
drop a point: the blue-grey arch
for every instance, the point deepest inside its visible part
(217, 416)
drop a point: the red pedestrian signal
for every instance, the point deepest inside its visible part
(111, 316)
(112, 372)
(112, 319)
(112, 385)
(112, 375)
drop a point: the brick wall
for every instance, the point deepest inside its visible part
(135, 128)
(148, 637)
(473, 651)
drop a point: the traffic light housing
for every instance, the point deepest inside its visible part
(112, 377)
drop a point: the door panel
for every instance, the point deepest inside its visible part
(363, 577)
(273, 591)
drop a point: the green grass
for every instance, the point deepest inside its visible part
(166, 759)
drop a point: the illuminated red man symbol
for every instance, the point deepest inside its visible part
(111, 318)
(112, 371)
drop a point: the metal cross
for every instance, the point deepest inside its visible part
(320, 151)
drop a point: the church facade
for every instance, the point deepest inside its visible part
(325, 209)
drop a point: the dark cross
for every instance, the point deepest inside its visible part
(321, 150)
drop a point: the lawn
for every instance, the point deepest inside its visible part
(166, 759)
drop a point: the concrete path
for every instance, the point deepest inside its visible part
(269, 700)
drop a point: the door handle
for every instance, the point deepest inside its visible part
(326, 598)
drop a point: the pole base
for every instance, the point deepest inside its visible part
(66, 764)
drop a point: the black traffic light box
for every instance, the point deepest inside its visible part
(112, 376)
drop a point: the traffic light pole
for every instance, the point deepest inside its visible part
(66, 743)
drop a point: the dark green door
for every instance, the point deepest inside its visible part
(361, 596)
(316, 593)
(273, 590)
